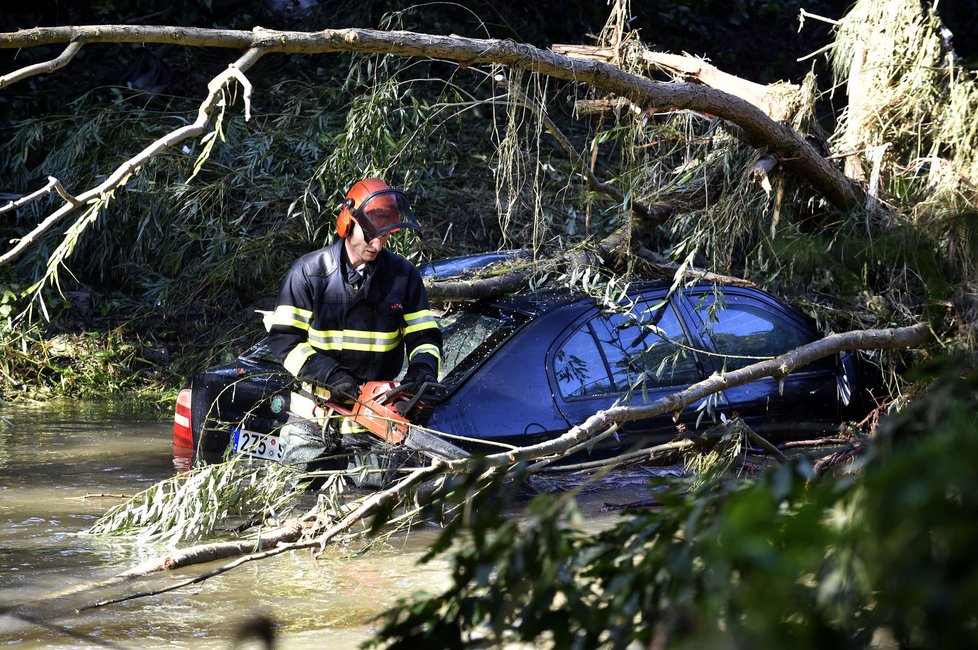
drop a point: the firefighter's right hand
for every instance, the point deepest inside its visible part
(343, 385)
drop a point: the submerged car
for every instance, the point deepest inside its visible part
(523, 368)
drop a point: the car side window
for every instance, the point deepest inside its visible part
(745, 332)
(579, 367)
(641, 348)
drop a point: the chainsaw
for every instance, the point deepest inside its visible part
(386, 409)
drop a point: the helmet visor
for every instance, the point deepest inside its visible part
(383, 213)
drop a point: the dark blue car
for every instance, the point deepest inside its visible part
(528, 367)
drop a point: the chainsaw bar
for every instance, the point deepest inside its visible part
(433, 446)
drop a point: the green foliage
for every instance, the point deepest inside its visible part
(777, 561)
(194, 504)
(90, 364)
(918, 507)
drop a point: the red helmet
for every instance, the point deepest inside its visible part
(376, 207)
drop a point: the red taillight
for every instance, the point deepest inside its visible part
(183, 436)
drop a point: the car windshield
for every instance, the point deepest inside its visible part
(469, 337)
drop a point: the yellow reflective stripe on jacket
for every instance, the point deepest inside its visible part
(292, 317)
(348, 426)
(360, 340)
(294, 360)
(317, 390)
(419, 320)
(306, 408)
(427, 348)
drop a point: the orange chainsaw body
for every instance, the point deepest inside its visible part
(378, 410)
(371, 412)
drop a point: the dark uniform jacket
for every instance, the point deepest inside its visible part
(321, 322)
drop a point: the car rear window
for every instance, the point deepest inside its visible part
(745, 331)
(259, 352)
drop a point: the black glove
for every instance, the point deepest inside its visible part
(415, 377)
(343, 385)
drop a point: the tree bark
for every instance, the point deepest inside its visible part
(775, 101)
(474, 289)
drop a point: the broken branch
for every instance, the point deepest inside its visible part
(123, 172)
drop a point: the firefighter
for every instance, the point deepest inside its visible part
(346, 314)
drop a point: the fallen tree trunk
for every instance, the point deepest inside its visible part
(777, 101)
(759, 129)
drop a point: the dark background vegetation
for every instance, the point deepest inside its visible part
(181, 289)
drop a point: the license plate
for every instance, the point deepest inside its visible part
(257, 445)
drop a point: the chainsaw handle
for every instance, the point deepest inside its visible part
(393, 392)
(422, 390)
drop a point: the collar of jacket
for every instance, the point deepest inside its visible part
(336, 261)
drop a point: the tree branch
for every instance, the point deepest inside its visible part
(475, 289)
(669, 269)
(52, 184)
(121, 175)
(46, 67)
(758, 127)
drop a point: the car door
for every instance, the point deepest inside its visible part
(740, 327)
(633, 355)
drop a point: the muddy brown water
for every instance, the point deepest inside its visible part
(56, 459)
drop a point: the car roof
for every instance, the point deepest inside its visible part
(535, 303)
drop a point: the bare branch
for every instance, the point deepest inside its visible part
(52, 184)
(668, 269)
(45, 67)
(760, 172)
(473, 289)
(766, 445)
(63, 193)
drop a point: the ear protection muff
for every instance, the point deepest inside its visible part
(344, 222)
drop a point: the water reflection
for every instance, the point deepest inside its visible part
(55, 459)
(60, 466)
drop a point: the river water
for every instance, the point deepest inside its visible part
(62, 465)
